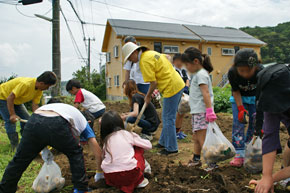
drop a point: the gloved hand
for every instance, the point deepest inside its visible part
(258, 124)
(186, 90)
(98, 176)
(210, 116)
(242, 114)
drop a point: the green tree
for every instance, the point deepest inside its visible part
(277, 39)
(97, 83)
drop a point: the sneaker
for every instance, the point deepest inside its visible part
(159, 146)
(144, 183)
(165, 152)
(147, 167)
(79, 191)
(179, 135)
(237, 162)
(211, 167)
(145, 136)
(194, 163)
(183, 134)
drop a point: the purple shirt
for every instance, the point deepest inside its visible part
(271, 127)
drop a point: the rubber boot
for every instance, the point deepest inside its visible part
(14, 140)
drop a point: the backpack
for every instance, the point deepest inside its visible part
(273, 89)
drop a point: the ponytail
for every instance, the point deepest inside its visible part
(192, 53)
(206, 63)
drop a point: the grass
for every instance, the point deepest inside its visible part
(6, 156)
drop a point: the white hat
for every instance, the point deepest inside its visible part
(128, 49)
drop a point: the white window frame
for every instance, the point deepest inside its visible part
(109, 82)
(108, 57)
(232, 50)
(170, 47)
(209, 53)
(116, 80)
(116, 51)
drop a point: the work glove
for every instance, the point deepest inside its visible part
(210, 116)
(186, 90)
(99, 176)
(242, 114)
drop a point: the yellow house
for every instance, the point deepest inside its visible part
(169, 38)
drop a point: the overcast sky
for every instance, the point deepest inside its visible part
(25, 42)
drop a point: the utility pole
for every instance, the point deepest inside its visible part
(89, 57)
(56, 63)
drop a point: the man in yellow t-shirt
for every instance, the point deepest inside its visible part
(16, 92)
(158, 70)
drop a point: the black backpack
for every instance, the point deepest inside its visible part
(273, 89)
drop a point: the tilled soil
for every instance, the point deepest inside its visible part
(170, 174)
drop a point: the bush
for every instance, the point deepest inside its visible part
(222, 99)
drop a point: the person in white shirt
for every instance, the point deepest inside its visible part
(59, 126)
(133, 71)
(123, 161)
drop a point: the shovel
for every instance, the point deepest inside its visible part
(132, 127)
(22, 120)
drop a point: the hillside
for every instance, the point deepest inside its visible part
(277, 39)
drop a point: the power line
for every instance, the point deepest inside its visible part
(143, 12)
(16, 7)
(81, 21)
(76, 48)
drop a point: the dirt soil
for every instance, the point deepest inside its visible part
(170, 174)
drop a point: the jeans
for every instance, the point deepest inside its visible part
(238, 134)
(147, 127)
(99, 113)
(168, 134)
(39, 132)
(20, 110)
(143, 88)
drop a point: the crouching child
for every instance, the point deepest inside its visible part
(150, 121)
(123, 162)
(57, 125)
(273, 94)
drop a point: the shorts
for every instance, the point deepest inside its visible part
(198, 122)
(87, 133)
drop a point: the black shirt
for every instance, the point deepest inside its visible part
(247, 87)
(150, 113)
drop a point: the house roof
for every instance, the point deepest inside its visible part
(148, 29)
(218, 34)
(151, 29)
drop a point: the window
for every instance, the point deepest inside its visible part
(108, 57)
(158, 47)
(228, 51)
(116, 81)
(170, 49)
(116, 51)
(109, 84)
(237, 48)
(209, 51)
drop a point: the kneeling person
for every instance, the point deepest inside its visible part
(57, 125)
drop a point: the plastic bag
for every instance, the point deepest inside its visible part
(216, 146)
(49, 177)
(156, 99)
(253, 156)
(183, 106)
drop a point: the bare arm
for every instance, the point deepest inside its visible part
(238, 98)
(206, 95)
(95, 148)
(187, 83)
(135, 111)
(150, 91)
(10, 106)
(34, 106)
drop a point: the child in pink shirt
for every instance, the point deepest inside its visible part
(123, 162)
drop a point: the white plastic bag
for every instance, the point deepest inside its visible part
(253, 156)
(183, 106)
(49, 177)
(216, 146)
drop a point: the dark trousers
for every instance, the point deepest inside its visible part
(147, 127)
(38, 133)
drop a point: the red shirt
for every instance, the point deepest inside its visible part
(79, 97)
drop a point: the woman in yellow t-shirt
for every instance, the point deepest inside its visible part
(159, 72)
